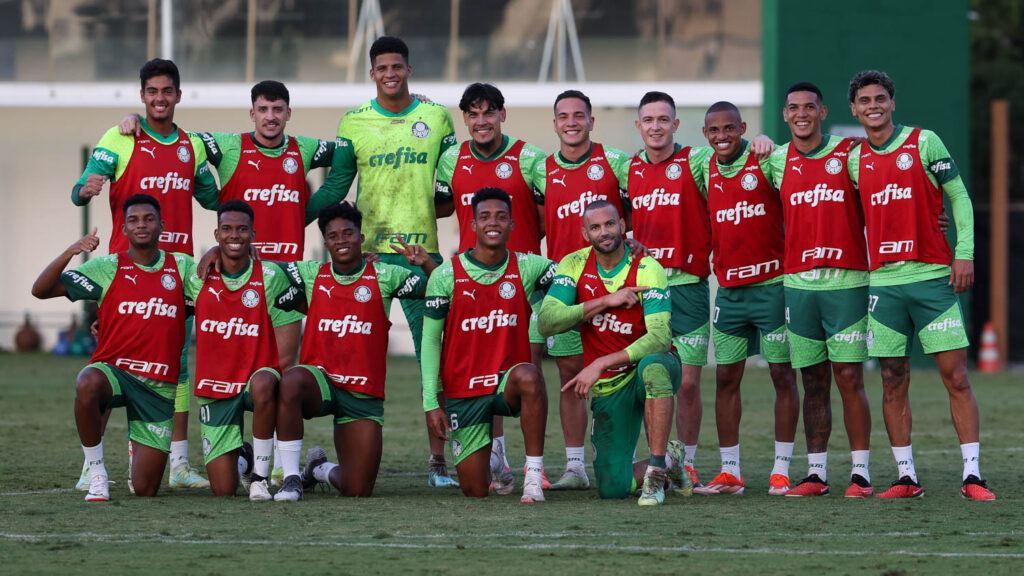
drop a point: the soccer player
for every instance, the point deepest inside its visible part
(621, 305)
(344, 355)
(915, 278)
(581, 172)
(236, 354)
(167, 162)
(137, 359)
(480, 301)
(492, 159)
(825, 284)
(394, 142)
(747, 241)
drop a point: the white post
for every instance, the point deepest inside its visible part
(166, 28)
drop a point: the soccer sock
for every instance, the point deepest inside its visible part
(731, 460)
(500, 441)
(277, 453)
(690, 455)
(262, 449)
(574, 457)
(534, 465)
(179, 453)
(94, 459)
(860, 463)
(783, 454)
(288, 458)
(905, 461)
(658, 461)
(322, 473)
(971, 452)
(816, 464)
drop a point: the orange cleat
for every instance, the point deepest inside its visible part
(974, 489)
(813, 485)
(778, 485)
(724, 483)
(905, 487)
(859, 487)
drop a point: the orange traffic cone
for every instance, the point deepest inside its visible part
(988, 356)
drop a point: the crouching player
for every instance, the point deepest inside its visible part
(236, 354)
(480, 300)
(622, 307)
(343, 366)
(137, 361)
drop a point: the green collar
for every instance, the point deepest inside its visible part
(384, 112)
(824, 143)
(497, 154)
(580, 160)
(743, 148)
(240, 273)
(897, 131)
(283, 144)
(481, 265)
(349, 273)
(617, 269)
(152, 133)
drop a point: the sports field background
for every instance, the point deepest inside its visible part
(46, 527)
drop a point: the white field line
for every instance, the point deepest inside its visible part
(690, 548)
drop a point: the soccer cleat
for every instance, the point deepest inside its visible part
(543, 478)
(974, 489)
(99, 490)
(533, 490)
(315, 456)
(258, 489)
(778, 485)
(813, 485)
(724, 483)
(184, 476)
(83, 481)
(905, 487)
(859, 487)
(291, 490)
(277, 477)
(502, 480)
(676, 473)
(245, 452)
(438, 474)
(653, 491)
(574, 478)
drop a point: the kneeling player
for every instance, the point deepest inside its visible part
(136, 363)
(622, 307)
(481, 301)
(236, 354)
(343, 366)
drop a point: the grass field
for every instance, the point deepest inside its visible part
(407, 527)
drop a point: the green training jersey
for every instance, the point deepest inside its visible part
(617, 159)
(942, 172)
(91, 280)
(112, 153)
(276, 287)
(536, 273)
(561, 302)
(395, 156)
(394, 282)
(224, 150)
(823, 277)
(528, 166)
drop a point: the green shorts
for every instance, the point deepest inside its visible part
(470, 418)
(149, 405)
(535, 337)
(184, 392)
(827, 325)
(221, 420)
(691, 321)
(750, 320)
(929, 309)
(559, 345)
(283, 318)
(413, 309)
(346, 406)
(617, 421)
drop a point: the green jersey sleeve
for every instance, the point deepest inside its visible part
(91, 280)
(316, 153)
(445, 172)
(343, 172)
(529, 159)
(700, 161)
(944, 171)
(778, 163)
(109, 158)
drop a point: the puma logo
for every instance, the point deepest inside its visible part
(132, 278)
(325, 290)
(468, 169)
(216, 293)
(593, 290)
(470, 294)
(639, 173)
(719, 186)
(557, 181)
(256, 164)
(870, 166)
(151, 152)
(799, 169)
(377, 130)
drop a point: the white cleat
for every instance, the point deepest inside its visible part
(259, 491)
(532, 491)
(99, 490)
(574, 478)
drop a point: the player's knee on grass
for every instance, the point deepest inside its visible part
(263, 388)
(147, 473)
(656, 381)
(614, 477)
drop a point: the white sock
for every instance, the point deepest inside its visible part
(690, 455)
(94, 459)
(288, 456)
(971, 454)
(905, 461)
(322, 473)
(262, 449)
(860, 463)
(731, 460)
(534, 465)
(500, 441)
(816, 464)
(179, 453)
(574, 457)
(783, 455)
(277, 454)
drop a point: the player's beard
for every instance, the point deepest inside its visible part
(616, 243)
